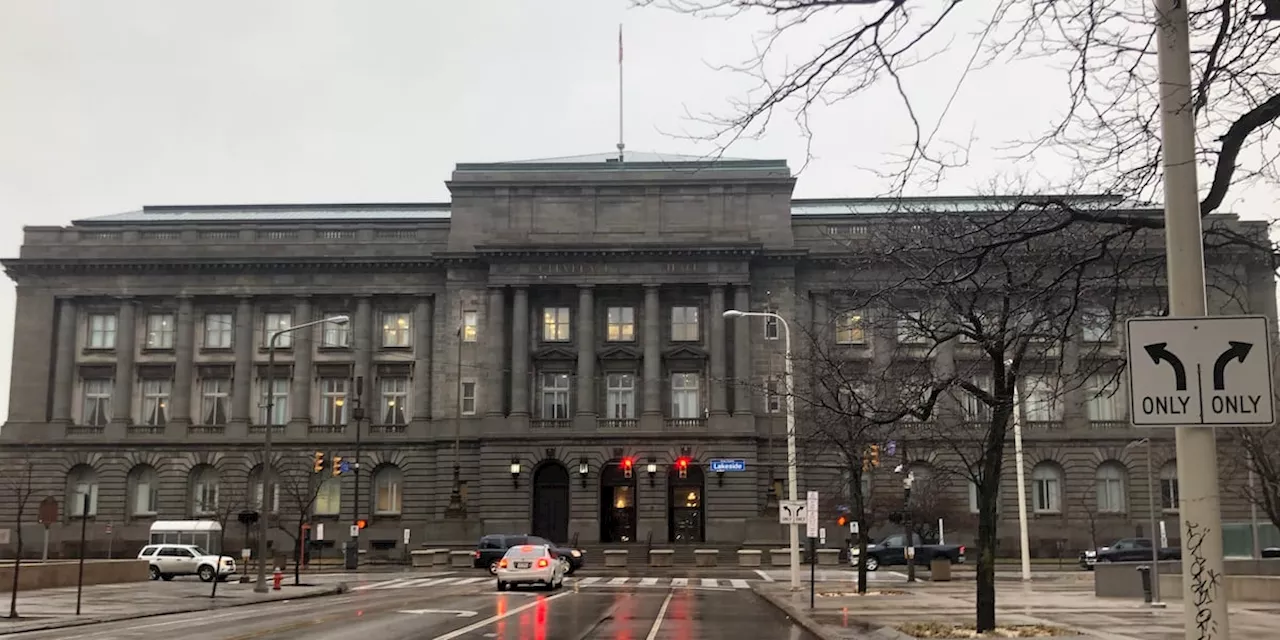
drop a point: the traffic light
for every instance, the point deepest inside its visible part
(360, 524)
(337, 466)
(842, 521)
(682, 466)
(627, 464)
(317, 463)
(875, 456)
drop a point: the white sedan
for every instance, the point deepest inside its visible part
(532, 564)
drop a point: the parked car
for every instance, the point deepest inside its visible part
(169, 560)
(534, 564)
(892, 550)
(492, 548)
(1126, 550)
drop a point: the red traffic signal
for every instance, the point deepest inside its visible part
(360, 524)
(841, 521)
(627, 465)
(682, 465)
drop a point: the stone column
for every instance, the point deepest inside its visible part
(586, 350)
(126, 348)
(363, 335)
(184, 363)
(242, 393)
(65, 364)
(742, 352)
(719, 399)
(303, 354)
(423, 320)
(652, 329)
(520, 352)
(493, 395)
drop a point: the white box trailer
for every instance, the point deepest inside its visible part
(205, 534)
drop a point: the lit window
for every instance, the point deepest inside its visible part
(470, 325)
(387, 491)
(849, 328)
(684, 324)
(218, 330)
(467, 399)
(102, 331)
(555, 324)
(333, 401)
(396, 329)
(395, 397)
(273, 322)
(155, 402)
(328, 498)
(621, 324)
(160, 331)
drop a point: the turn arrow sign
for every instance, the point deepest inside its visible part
(458, 613)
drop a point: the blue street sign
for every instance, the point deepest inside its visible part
(720, 465)
(344, 466)
(891, 447)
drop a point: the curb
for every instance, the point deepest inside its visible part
(823, 631)
(337, 589)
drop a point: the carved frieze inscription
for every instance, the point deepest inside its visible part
(620, 272)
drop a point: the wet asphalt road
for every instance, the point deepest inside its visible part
(482, 613)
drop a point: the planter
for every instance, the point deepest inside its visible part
(828, 557)
(749, 557)
(615, 558)
(705, 557)
(661, 557)
(461, 559)
(780, 557)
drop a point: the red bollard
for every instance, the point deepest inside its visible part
(276, 578)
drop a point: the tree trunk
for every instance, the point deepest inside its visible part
(988, 517)
(302, 552)
(217, 567)
(17, 565)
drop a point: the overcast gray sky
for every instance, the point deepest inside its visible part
(107, 106)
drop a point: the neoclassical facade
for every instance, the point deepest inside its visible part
(545, 353)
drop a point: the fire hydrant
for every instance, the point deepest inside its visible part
(277, 578)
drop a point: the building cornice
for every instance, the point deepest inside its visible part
(22, 267)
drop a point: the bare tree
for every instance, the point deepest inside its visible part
(19, 482)
(1262, 457)
(1090, 510)
(300, 486)
(230, 501)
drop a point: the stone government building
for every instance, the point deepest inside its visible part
(556, 321)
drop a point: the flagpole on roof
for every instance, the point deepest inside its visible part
(621, 146)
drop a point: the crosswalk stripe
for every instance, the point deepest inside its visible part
(710, 582)
(470, 581)
(739, 583)
(587, 581)
(648, 582)
(392, 584)
(421, 582)
(619, 580)
(438, 581)
(679, 582)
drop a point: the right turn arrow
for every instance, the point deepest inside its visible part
(1159, 352)
(1238, 351)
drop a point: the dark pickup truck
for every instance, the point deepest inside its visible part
(1126, 550)
(892, 550)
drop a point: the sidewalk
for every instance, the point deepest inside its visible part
(840, 614)
(55, 608)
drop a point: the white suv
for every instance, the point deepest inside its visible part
(169, 560)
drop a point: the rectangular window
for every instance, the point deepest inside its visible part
(911, 329)
(620, 324)
(467, 398)
(1095, 324)
(395, 400)
(215, 401)
(333, 401)
(335, 335)
(97, 402)
(278, 398)
(1047, 495)
(686, 401)
(620, 396)
(470, 326)
(1103, 396)
(81, 490)
(770, 325)
(773, 396)
(160, 331)
(397, 327)
(975, 410)
(388, 494)
(554, 394)
(1169, 494)
(145, 494)
(273, 322)
(850, 329)
(219, 328)
(973, 498)
(1110, 494)
(684, 324)
(1041, 401)
(102, 331)
(555, 324)
(328, 498)
(204, 496)
(155, 402)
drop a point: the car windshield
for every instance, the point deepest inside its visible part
(527, 551)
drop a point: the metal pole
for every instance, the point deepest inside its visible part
(1253, 512)
(1155, 531)
(84, 523)
(357, 413)
(1199, 505)
(792, 481)
(263, 508)
(1024, 539)
(910, 540)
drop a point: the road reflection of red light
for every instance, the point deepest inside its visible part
(360, 613)
(540, 620)
(681, 618)
(500, 609)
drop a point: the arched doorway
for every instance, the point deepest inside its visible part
(617, 504)
(551, 502)
(685, 507)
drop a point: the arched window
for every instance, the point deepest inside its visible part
(921, 475)
(255, 489)
(1169, 486)
(204, 490)
(387, 482)
(1111, 478)
(82, 483)
(144, 491)
(328, 498)
(1046, 481)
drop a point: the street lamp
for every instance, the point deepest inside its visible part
(910, 539)
(792, 489)
(1023, 536)
(1155, 531)
(261, 586)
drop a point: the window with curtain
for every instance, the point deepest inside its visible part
(155, 402)
(328, 498)
(82, 483)
(685, 396)
(394, 393)
(1040, 398)
(386, 491)
(620, 396)
(1046, 481)
(1169, 486)
(143, 490)
(204, 490)
(1103, 398)
(1111, 479)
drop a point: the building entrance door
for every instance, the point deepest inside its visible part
(685, 508)
(551, 502)
(617, 504)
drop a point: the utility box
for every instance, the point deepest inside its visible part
(940, 570)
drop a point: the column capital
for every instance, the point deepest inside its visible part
(362, 296)
(519, 287)
(495, 287)
(245, 296)
(184, 296)
(717, 286)
(586, 287)
(652, 286)
(126, 298)
(302, 297)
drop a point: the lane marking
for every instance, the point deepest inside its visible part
(100, 634)
(648, 582)
(502, 616)
(586, 581)
(470, 581)
(765, 576)
(739, 584)
(662, 613)
(619, 580)
(710, 582)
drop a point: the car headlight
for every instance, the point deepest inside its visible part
(575, 553)
(854, 551)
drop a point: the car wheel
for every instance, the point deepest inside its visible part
(493, 568)
(502, 586)
(206, 573)
(155, 573)
(166, 576)
(872, 563)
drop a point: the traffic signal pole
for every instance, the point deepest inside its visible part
(352, 558)
(1199, 505)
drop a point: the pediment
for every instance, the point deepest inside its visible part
(619, 352)
(685, 352)
(555, 353)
